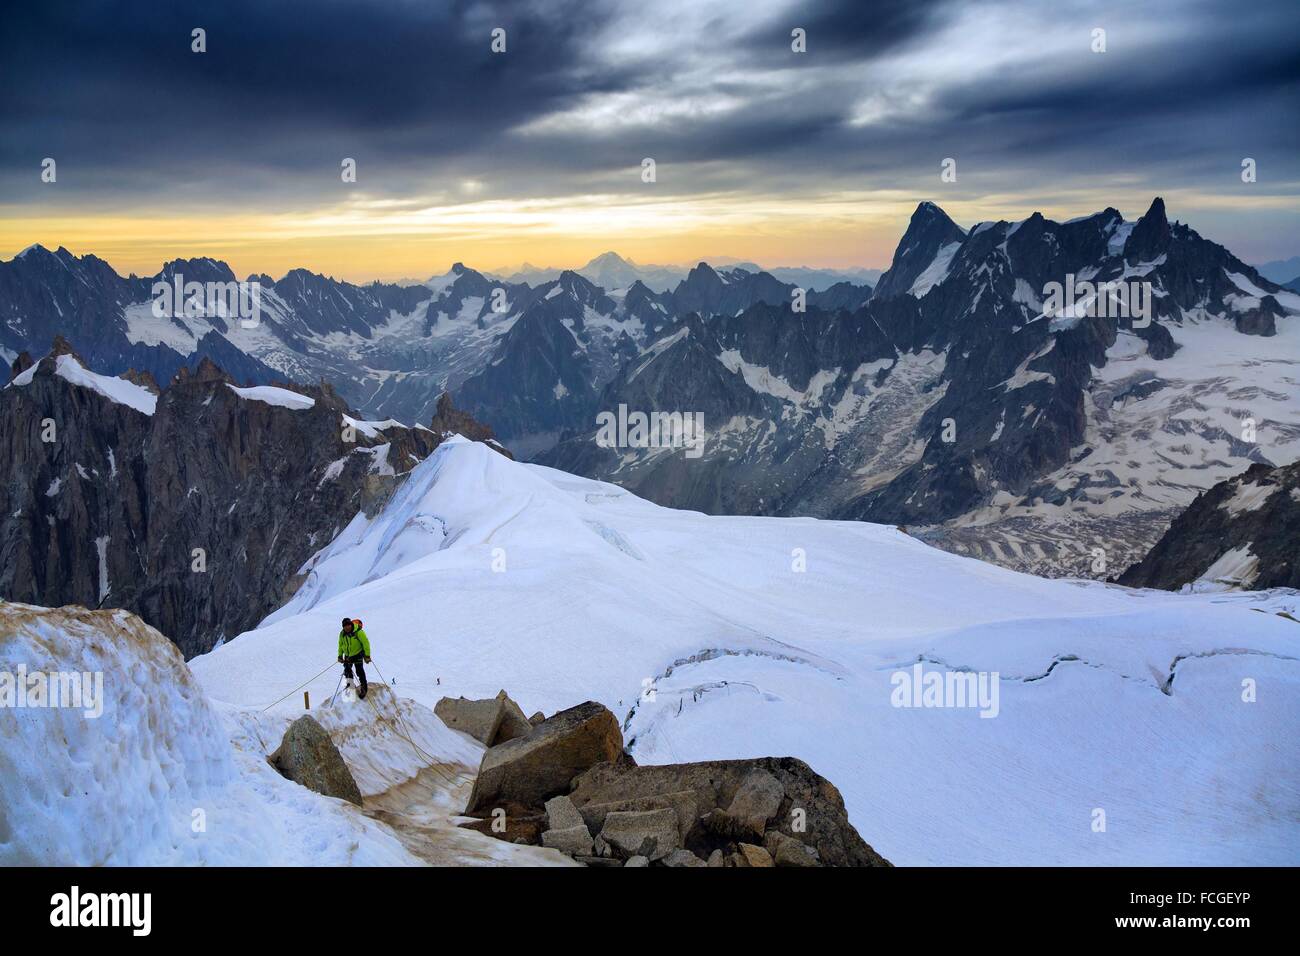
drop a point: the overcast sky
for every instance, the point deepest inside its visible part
(535, 153)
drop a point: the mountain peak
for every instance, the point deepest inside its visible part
(929, 230)
(928, 214)
(1151, 234)
(199, 269)
(610, 258)
(570, 279)
(61, 346)
(206, 371)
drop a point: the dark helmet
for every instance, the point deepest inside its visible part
(347, 623)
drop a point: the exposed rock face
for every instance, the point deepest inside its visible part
(513, 722)
(447, 419)
(1242, 533)
(569, 780)
(531, 769)
(197, 515)
(756, 802)
(307, 756)
(538, 382)
(20, 364)
(565, 829)
(929, 231)
(533, 355)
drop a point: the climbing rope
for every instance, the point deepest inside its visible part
(336, 690)
(299, 687)
(420, 752)
(421, 755)
(448, 778)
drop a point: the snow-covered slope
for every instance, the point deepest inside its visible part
(717, 637)
(152, 779)
(144, 770)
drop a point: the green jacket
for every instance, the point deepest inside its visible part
(350, 645)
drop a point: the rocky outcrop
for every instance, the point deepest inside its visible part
(734, 802)
(757, 800)
(308, 756)
(1244, 533)
(492, 721)
(1260, 320)
(449, 420)
(531, 769)
(193, 505)
(513, 722)
(478, 718)
(569, 786)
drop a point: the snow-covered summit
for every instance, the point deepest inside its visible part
(115, 389)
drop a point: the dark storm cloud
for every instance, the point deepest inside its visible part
(114, 88)
(848, 31)
(412, 91)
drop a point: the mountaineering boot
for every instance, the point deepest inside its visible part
(361, 692)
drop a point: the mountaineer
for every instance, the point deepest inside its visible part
(354, 647)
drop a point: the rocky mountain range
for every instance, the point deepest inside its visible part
(194, 505)
(389, 350)
(611, 271)
(953, 397)
(958, 402)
